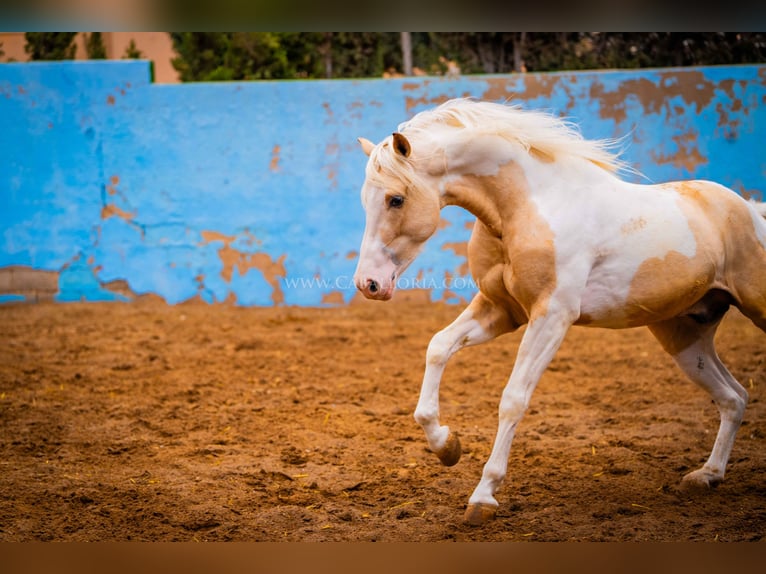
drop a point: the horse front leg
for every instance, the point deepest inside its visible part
(541, 340)
(480, 322)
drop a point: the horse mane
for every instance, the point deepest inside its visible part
(538, 132)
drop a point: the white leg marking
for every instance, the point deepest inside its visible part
(702, 365)
(464, 331)
(538, 346)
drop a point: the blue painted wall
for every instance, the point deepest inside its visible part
(249, 192)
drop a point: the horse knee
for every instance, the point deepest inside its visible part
(440, 349)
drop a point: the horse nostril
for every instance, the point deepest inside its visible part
(373, 286)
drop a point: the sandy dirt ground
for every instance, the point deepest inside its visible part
(150, 422)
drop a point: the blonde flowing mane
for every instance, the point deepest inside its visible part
(537, 132)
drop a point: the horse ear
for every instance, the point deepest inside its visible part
(366, 144)
(401, 145)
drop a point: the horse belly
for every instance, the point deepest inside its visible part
(602, 307)
(660, 288)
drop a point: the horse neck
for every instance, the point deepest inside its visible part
(494, 198)
(468, 193)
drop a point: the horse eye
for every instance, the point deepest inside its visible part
(396, 201)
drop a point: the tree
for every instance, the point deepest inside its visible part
(211, 56)
(199, 54)
(94, 46)
(50, 45)
(325, 51)
(132, 52)
(407, 52)
(307, 54)
(260, 55)
(366, 54)
(217, 56)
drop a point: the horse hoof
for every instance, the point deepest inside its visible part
(698, 481)
(451, 451)
(479, 513)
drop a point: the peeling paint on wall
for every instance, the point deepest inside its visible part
(274, 163)
(461, 250)
(249, 192)
(243, 262)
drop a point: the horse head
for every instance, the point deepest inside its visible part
(401, 210)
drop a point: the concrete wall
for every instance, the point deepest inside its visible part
(113, 187)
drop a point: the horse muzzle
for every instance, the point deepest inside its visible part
(375, 289)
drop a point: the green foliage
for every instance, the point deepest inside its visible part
(210, 56)
(220, 56)
(365, 54)
(131, 51)
(94, 46)
(573, 51)
(50, 45)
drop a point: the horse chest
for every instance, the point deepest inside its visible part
(517, 271)
(529, 275)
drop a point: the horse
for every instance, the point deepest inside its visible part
(561, 239)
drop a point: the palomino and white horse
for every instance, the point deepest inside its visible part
(559, 240)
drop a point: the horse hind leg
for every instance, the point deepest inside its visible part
(690, 341)
(753, 306)
(749, 284)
